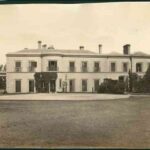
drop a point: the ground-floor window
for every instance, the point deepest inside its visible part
(18, 86)
(96, 85)
(60, 83)
(31, 85)
(84, 85)
(72, 85)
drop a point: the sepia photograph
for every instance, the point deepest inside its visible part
(75, 75)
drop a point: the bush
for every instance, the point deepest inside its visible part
(102, 88)
(119, 88)
(112, 86)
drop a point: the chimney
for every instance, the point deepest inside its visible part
(100, 48)
(126, 49)
(44, 46)
(81, 47)
(39, 44)
(51, 47)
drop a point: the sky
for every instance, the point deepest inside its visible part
(67, 26)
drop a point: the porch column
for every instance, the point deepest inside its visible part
(34, 87)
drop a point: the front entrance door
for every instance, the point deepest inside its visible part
(72, 85)
(52, 85)
(31, 85)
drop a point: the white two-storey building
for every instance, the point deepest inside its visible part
(77, 70)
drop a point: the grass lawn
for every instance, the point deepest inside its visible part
(111, 123)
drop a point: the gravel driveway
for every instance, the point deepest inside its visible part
(111, 123)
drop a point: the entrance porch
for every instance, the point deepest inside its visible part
(45, 82)
(48, 87)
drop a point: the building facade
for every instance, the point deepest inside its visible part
(76, 70)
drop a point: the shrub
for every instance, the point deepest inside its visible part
(119, 88)
(102, 88)
(112, 86)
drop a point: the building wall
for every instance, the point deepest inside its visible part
(90, 79)
(52, 58)
(24, 63)
(63, 63)
(24, 77)
(119, 63)
(144, 61)
(63, 72)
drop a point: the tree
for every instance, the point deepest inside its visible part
(4, 68)
(133, 77)
(146, 81)
(139, 84)
(2, 82)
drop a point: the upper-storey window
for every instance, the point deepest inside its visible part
(125, 67)
(18, 66)
(84, 66)
(96, 67)
(72, 66)
(52, 66)
(32, 66)
(138, 67)
(113, 67)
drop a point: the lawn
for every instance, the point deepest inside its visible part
(111, 123)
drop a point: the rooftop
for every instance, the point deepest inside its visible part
(44, 50)
(139, 53)
(58, 51)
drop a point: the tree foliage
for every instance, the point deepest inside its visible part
(2, 82)
(140, 84)
(133, 78)
(2, 68)
(146, 81)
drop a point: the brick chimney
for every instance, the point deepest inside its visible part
(100, 48)
(81, 47)
(39, 44)
(51, 47)
(44, 46)
(126, 49)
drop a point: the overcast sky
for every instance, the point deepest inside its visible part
(67, 26)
